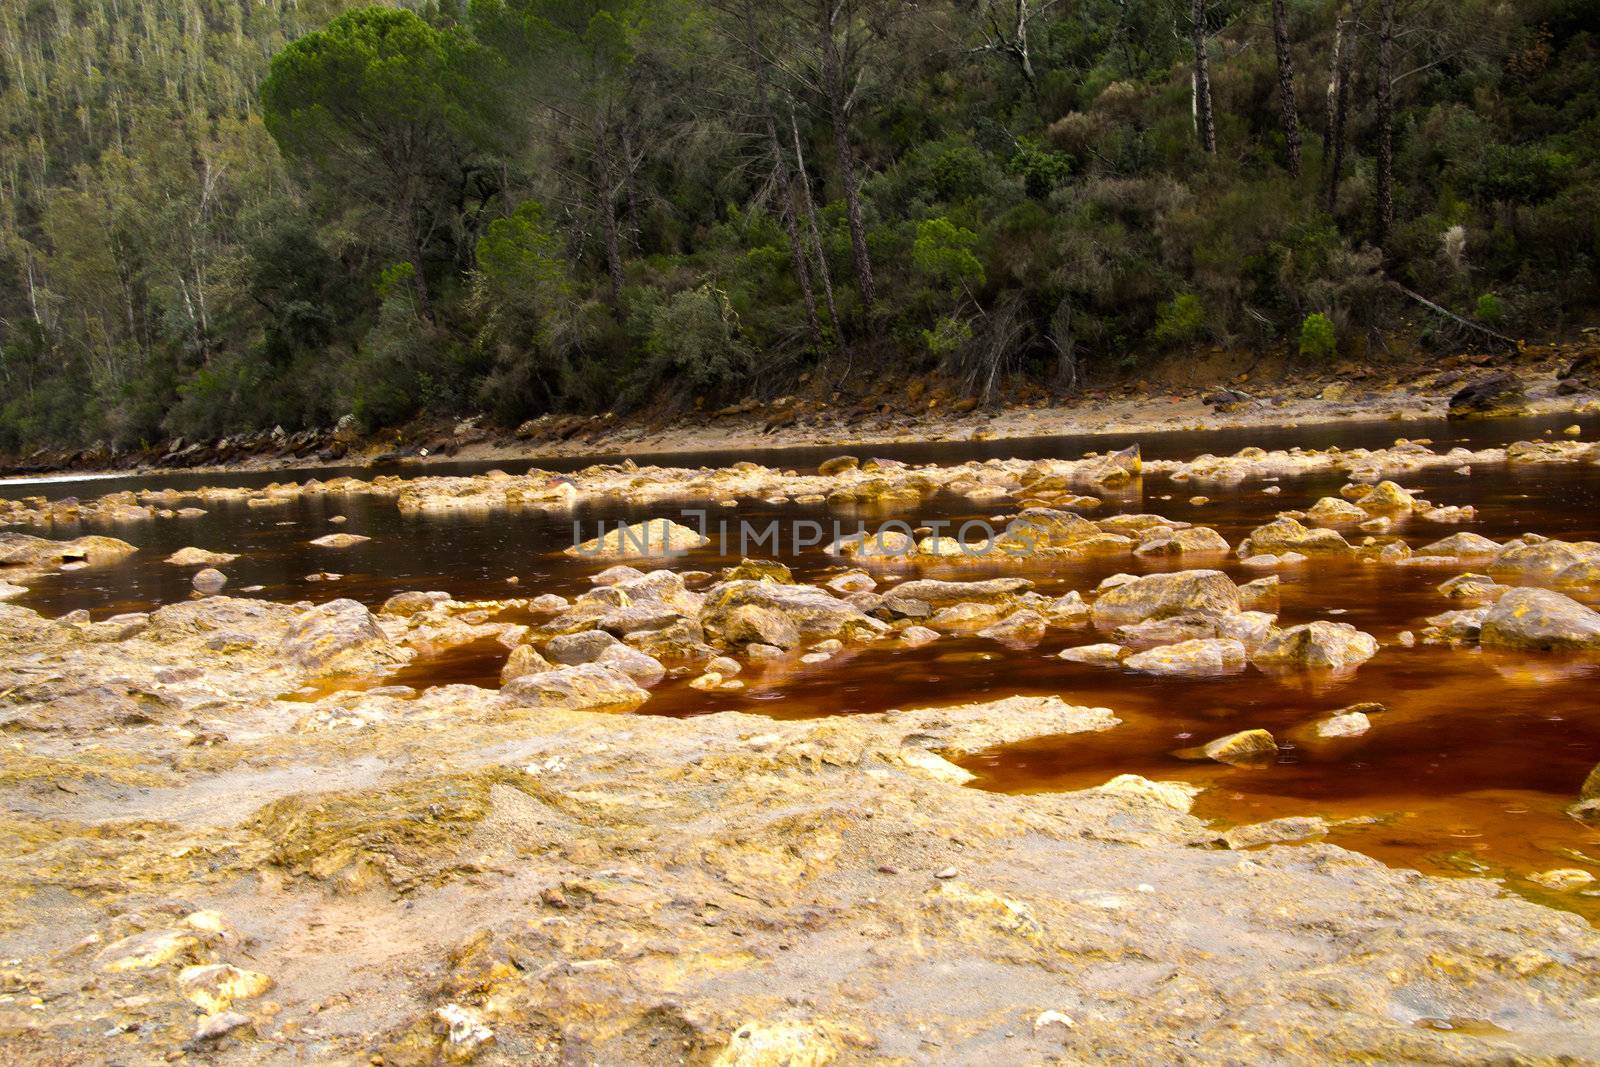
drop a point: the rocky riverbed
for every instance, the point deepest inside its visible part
(248, 830)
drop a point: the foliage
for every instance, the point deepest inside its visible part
(1317, 337)
(1181, 320)
(228, 217)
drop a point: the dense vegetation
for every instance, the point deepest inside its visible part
(218, 216)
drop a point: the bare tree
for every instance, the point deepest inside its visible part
(1385, 107)
(1006, 25)
(1291, 115)
(833, 19)
(1338, 107)
(1205, 120)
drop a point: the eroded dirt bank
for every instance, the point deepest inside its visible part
(1182, 393)
(196, 867)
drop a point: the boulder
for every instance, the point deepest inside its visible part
(1284, 535)
(640, 666)
(1117, 469)
(1541, 560)
(586, 646)
(405, 605)
(1334, 511)
(1497, 396)
(1206, 656)
(642, 540)
(1101, 655)
(1242, 748)
(782, 615)
(1463, 545)
(759, 570)
(339, 635)
(917, 598)
(524, 659)
(1037, 528)
(199, 557)
(1161, 596)
(209, 580)
(1317, 645)
(1020, 627)
(1198, 540)
(837, 465)
(340, 540)
(587, 685)
(1386, 497)
(1540, 620)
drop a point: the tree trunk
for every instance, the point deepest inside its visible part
(608, 214)
(781, 176)
(1066, 346)
(834, 87)
(1385, 102)
(419, 280)
(1291, 114)
(1338, 111)
(824, 275)
(1205, 121)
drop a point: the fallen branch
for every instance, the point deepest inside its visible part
(1468, 323)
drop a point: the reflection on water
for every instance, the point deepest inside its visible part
(1468, 770)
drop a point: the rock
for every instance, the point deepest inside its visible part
(146, 950)
(1499, 395)
(784, 1043)
(405, 605)
(587, 685)
(884, 544)
(216, 1027)
(1285, 535)
(1178, 796)
(209, 580)
(1244, 747)
(1541, 560)
(1117, 469)
(215, 986)
(782, 615)
(959, 617)
(619, 573)
(1563, 879)
(1045, 527)
(340, 540)
(1317, 645)
(1540, 620)
(524, 659)
(1260, 593)
(1160, 596)
(1101, 655)
(1068, 610)
(340, 635)
(199, 557)
(1456, 626)
(1386, 496)
(11, 592)
(641, 667)
(1020, 627)
(852, 582)
(916, 599)
(837, 465)
(1200, 657)
(1199, 540)
(642, 540)
(1472, 587)
(1333, 511)
(1464, 545)
(1344, 724)
(759, 570)
(1275, 831)
(587, 646)
(916, 636)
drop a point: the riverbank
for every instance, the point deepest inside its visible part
(551, 806)
(1552, 379)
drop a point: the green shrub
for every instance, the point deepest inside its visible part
(1181, 320)
(1317, 337)
(943, 252)
(1490, 310)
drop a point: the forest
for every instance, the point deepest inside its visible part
(220, 216)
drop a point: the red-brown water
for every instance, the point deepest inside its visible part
(1469, 769)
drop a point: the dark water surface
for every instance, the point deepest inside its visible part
(1469, 770)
